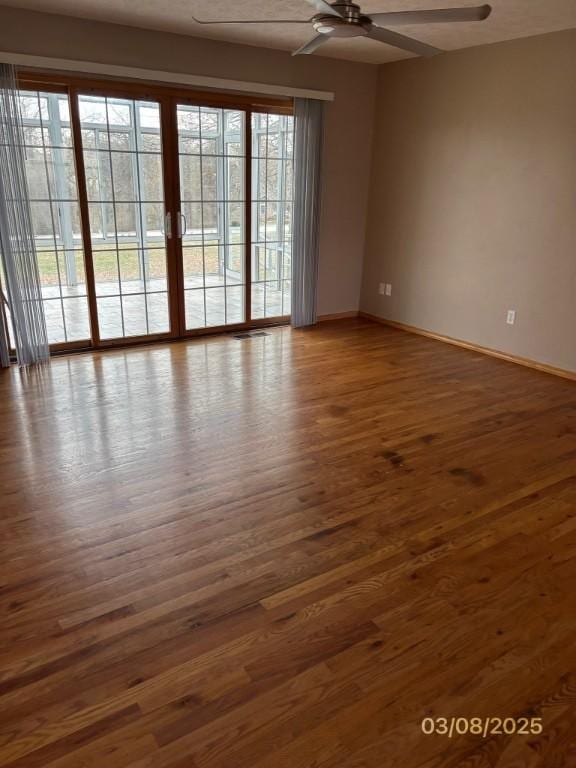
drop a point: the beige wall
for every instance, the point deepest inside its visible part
(473, 197)
(349, 120)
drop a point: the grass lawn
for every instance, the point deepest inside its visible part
(107, 262)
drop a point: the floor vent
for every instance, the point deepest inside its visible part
(256, 334)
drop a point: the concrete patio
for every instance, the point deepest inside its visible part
(139, 312)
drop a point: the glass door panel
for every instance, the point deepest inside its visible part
(212, 156)
(53, 191)
(122, 151)
(272, 168)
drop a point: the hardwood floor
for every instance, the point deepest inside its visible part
(285, 553)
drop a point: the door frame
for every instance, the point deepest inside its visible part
(168, 97)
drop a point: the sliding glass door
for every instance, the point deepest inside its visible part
(221, 203)
(123, 162)
(54, 203)
(212, 219)
(156, 215)
(272, 156)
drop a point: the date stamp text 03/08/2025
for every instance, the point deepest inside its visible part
(482, 726)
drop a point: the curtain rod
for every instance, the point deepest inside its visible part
(139, 73)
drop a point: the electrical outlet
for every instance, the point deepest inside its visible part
(511, 317)
(388, 289)
(382, 289)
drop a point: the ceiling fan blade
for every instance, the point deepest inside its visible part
(311, 46)
(441, 15)
(324, 7)
(403, 42)
(252, 21)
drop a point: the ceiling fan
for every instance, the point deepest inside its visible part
(344, 18)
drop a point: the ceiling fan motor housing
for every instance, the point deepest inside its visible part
(351, 22)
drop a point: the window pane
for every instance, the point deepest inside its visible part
(235, 172)
(135, 315)
(106, 271)
(215, 307)
(235, 304)
(153, 222)
(110, 317)
(234, 214)
(234, 255)
(257, 300)
(193, 266)
(188, 121)
(132, 271)
(158, 317)
(213, 265)
(54, 315)
(190, 176)
(151, 182)
(154, 260)
(48, 268)
(194, 304)
(71, 268)
(203, 220)
(210, 188)
(92, 110)
(76, 319)
(273, 298)
(234, 132)
(286, 297)
(124, 176)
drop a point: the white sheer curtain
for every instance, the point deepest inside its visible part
(17, 245)
(308, 130)
(4, 340)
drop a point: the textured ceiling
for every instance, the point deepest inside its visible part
(510, 19)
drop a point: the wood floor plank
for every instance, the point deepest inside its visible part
(284, 554)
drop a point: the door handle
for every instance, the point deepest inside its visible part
(168, 225)
(182, 225)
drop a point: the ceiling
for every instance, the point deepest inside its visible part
(510, 19)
